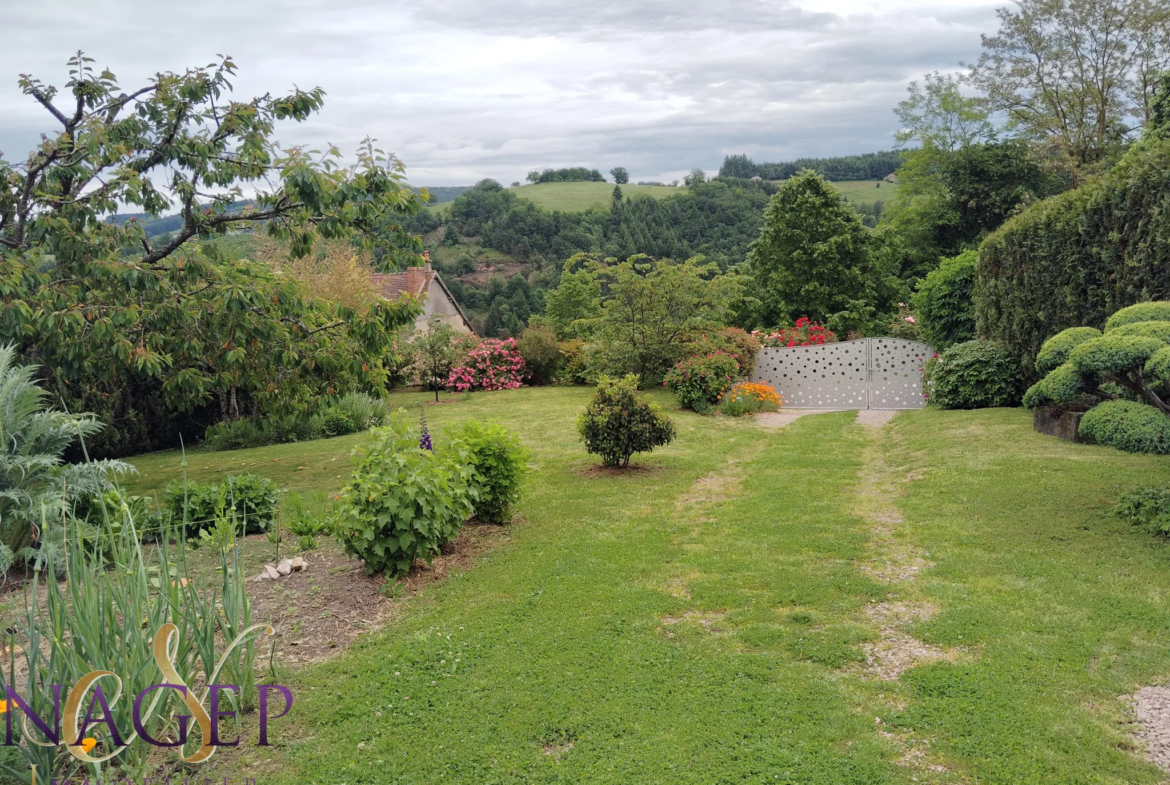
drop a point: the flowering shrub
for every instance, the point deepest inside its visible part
(490, 365)
(749, 398)
(803, 333)
(698, 381)
(740, 344)
(904, 325)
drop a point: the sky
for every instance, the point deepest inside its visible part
(460, 90)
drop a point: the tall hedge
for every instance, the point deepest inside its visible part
(1072, 260)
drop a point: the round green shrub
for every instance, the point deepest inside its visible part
(335, 422)
(1142, 312)
(974, 375)
(1128, 426)
(499, 463)
(943, 303)
(1159, 330)
(1063, 385)
(1055, 351)
(248, 499)
(1114, 354)
(698, 381)
(403, 502)
(617, 423)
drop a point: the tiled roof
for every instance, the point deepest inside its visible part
(393, 284)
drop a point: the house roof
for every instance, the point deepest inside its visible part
(415, 282)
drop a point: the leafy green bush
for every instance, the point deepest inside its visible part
(698, 381)
(1055, 351)
(1146, 507)
(740, 344)
(499, 463)
(573, 368)
(335, 422)
(1158, 330)
(944, 304)
(1074, 259)
(973, 375)
(247, 499)
(617, 423)
(1129, 426)
(248, 432)
(403, 502)
(542, 357)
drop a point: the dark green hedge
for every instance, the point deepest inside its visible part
(1076, 258)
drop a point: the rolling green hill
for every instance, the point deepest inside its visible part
(867, 191)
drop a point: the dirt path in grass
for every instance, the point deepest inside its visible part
(896, 563)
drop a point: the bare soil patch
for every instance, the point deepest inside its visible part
(786, 417)
(597, 470)
(326, 607)
(875, 417)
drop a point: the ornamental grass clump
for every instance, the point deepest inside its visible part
(491, 365)
(699, 381)
(750, 398)
(404, 502)
(618, 423)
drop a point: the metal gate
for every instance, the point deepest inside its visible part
(869, 373)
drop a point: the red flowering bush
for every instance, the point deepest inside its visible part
(803, 333)
(698, 381)
(490, 365)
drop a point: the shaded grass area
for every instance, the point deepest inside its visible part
(702, 620)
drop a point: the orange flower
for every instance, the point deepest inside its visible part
(3, 707)
(88, 744)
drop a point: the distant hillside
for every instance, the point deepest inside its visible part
(445, 193)
(867, 166)
(165, 223)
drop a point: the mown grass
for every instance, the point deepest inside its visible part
(867, 191)
(703, 619)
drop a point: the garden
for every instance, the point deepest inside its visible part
(247, 497)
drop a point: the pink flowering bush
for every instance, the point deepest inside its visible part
(803, 333)
(490, 365)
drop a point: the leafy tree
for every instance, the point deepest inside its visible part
(813, 258)
(620, 175)
(113, 316)
(867, 166)
(570, 307)
(435, 351)
(696, 177)
(1078, 74)
(651, 308)
(937, 116)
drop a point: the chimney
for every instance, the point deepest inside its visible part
(416, 278)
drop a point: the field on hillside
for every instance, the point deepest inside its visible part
(577, 197)
(867, 191)
(945, 598)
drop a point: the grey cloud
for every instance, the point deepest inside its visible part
(461, 89)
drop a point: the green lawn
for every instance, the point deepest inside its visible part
(706, 618)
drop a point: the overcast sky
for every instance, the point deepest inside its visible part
(465, 89)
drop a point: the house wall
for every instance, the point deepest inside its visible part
(437, 302)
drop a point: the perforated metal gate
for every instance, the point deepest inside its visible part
(870, 373)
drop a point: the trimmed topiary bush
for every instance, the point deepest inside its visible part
(1055, 351)
(1141, 312)
(1128, 426)
(403, 502)
(499, 463)
(1159, 330)
(1114, 354)
(944, 304)
(973, 375)
(698, 382)
(617, 423)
